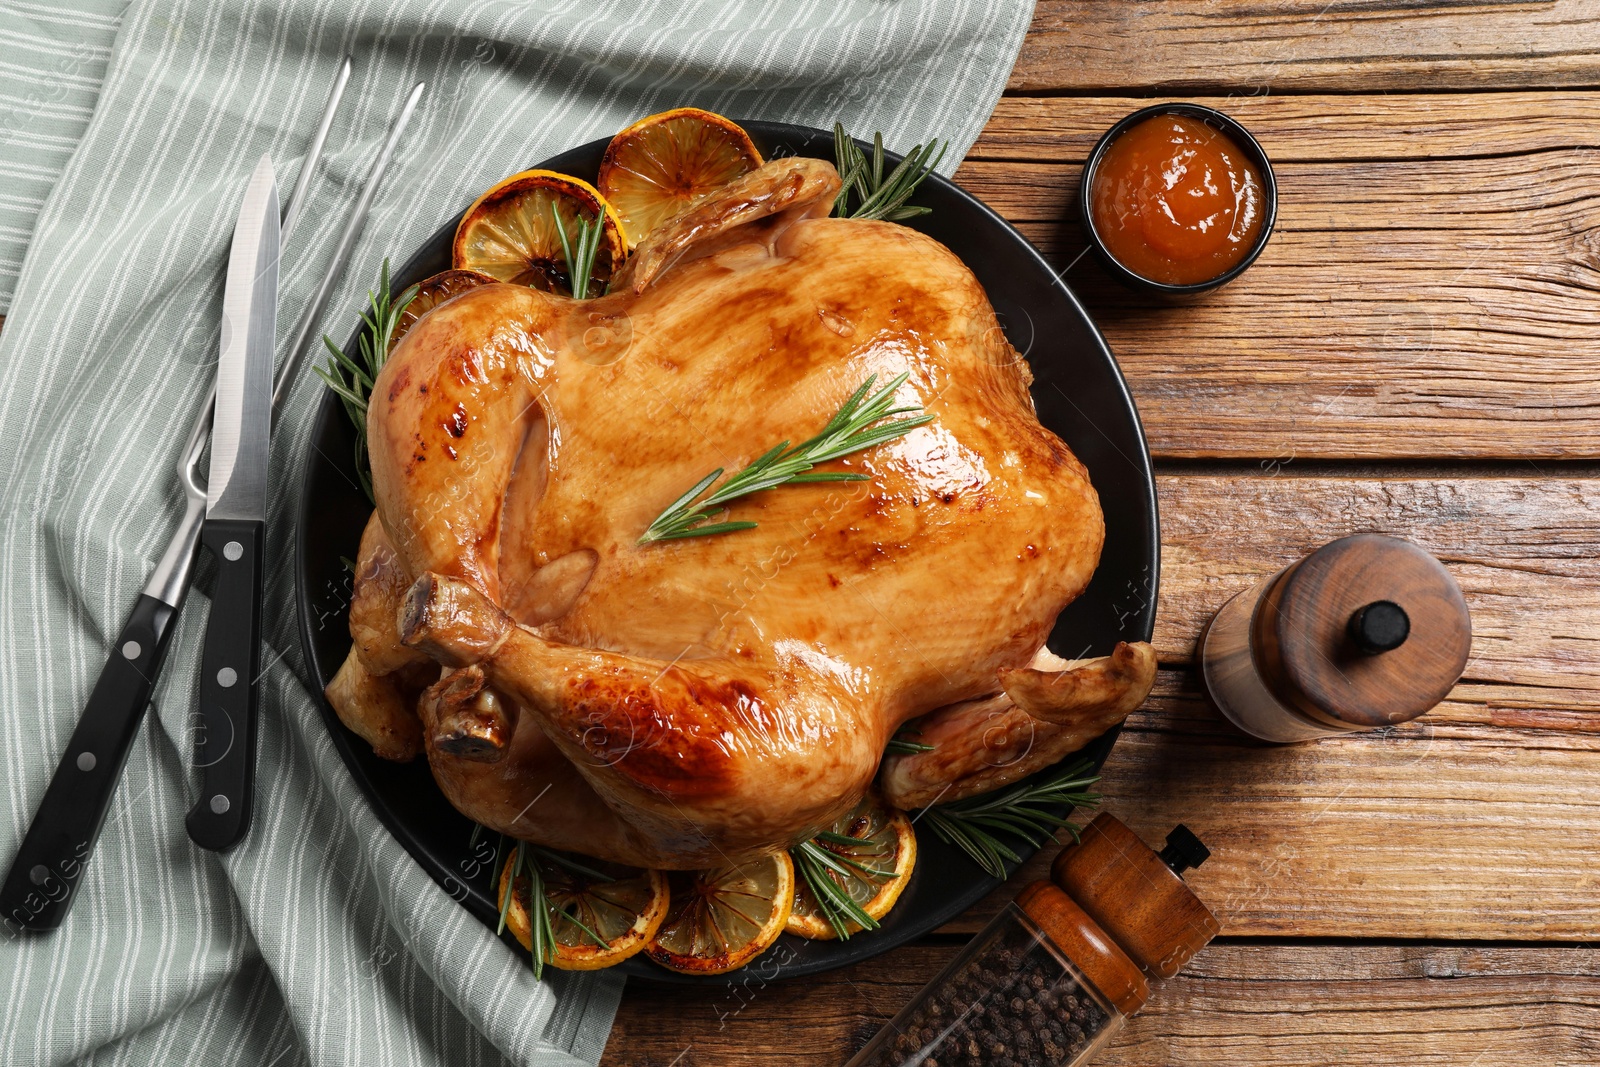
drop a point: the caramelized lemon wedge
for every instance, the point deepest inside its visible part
(721, 919)
(663, 165)
(511, 232)
(600, 913)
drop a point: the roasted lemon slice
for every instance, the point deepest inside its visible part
(721, 919)
(663, 165)
(510, 232)
(600, 913)
(431, 292)
(870, 854)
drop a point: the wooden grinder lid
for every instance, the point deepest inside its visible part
(1136, 895)
(1366, 631)
(1090, 948)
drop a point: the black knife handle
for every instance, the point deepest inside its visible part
(43, 880)
(225, 741)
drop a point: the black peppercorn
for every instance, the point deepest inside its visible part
(1013, 1005)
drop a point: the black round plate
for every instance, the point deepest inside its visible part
(1080, 394)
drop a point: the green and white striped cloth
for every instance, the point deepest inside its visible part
(52, 59)
(126, 138)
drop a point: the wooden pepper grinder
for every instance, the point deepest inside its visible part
(1367, 631)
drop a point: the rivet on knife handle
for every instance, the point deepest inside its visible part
(225, 741)
(43, 880)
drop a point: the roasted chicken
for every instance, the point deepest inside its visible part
(686, 703)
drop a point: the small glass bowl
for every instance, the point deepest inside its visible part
(1234, 132)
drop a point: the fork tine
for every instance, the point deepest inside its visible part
(200, 432)
(302, 182)
(306, 327)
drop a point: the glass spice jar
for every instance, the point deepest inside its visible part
(1047, 984)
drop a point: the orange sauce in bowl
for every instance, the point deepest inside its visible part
(1176, 201)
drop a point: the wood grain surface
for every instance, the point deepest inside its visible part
(1521, 545)
(1263, 1005)
(1426, 830)
(1428, 291)
(1278, 46)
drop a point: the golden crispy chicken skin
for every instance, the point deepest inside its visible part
(380, 709)
(726, 695)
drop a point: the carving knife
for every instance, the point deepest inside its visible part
(235, 526)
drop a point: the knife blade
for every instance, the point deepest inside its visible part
(235, 523)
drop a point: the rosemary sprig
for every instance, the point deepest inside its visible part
(580, 266)
(880, 196)
(351, 377)
(850, 430)
(818, 866)
(1022, 811)
(542, 936)
(525, 860)
(902, 745)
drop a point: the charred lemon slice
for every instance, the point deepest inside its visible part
(431, 292)
(512, 234)
(721, 919)
(867, 856)
(599, 913)
(665, 164)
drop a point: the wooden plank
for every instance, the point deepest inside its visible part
(1521, 546)
(1427, 293)
(1304, 1006)
(1268, 1005)
(1314, 129)
(1274, 46)
(1418, 298)
(1481, 817)
(1437, 829)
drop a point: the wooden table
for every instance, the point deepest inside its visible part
(1417, 352)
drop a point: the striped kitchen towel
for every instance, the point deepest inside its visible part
(52, 59)
(318, 940)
